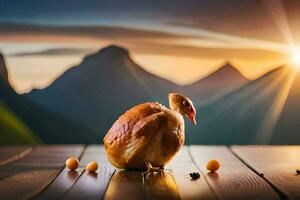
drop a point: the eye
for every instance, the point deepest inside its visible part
(186, 103)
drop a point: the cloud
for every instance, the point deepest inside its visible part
(209, 53)
(247, 18)
(170, 50)
(98, 32)
(208, 45)
(55, 52)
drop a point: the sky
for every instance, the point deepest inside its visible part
(182, 41)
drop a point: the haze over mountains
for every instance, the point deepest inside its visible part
(23, 122)
(248, 115)
(231, 109)
(108, 83)
(288, 124)
(223, 80)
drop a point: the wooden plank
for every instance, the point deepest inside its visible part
(67, 179)
(10, 154)
(234, 180)
(62, 183)
(161, 186)
(27, 177)
(174, 182)
(92, 185)
(60, 186)
(189, 189)
(277, 164)
(125, 185)
(94, 153)
(129, 184)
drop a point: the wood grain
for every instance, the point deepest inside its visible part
(39, 173)
(27, 177)
(10, 154)
(189, 189)
(161, 186)
(174, 182)
(62, 183)
(92, 185)
(94, 153)
(278, 164)
(125, 185)
(233, 180)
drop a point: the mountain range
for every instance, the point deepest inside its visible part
(248, 114)
(225, 79)
(230, 108)
(24, 122)
(107, 83)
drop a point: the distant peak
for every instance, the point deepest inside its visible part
(227, 70)
(279, 69)
(114, 49)
(111, 52)
(228, 66)
(3, 69)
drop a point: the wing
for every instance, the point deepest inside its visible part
(123, 148)
(123, 127)
(143, 132)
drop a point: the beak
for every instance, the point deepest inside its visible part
(192, 117)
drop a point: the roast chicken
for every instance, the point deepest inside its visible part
(148, 135)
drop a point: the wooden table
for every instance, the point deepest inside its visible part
(247, 172)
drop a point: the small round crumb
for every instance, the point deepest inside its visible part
(92, 166)
(72, 163)
(213, 165)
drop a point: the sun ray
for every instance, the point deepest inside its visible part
(271, 118)
(277, 11)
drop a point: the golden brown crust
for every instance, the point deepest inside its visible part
(120, 135)
(149, 132)
(144, 133)
(124, 125)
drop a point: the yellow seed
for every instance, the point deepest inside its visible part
(213, 165)
(92, 166)
(72, 163)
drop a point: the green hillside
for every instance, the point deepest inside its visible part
(13, 130)
(49, 127)
(24, 122)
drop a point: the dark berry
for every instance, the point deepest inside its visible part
(194, 175)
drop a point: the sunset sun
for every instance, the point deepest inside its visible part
(295, 57)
